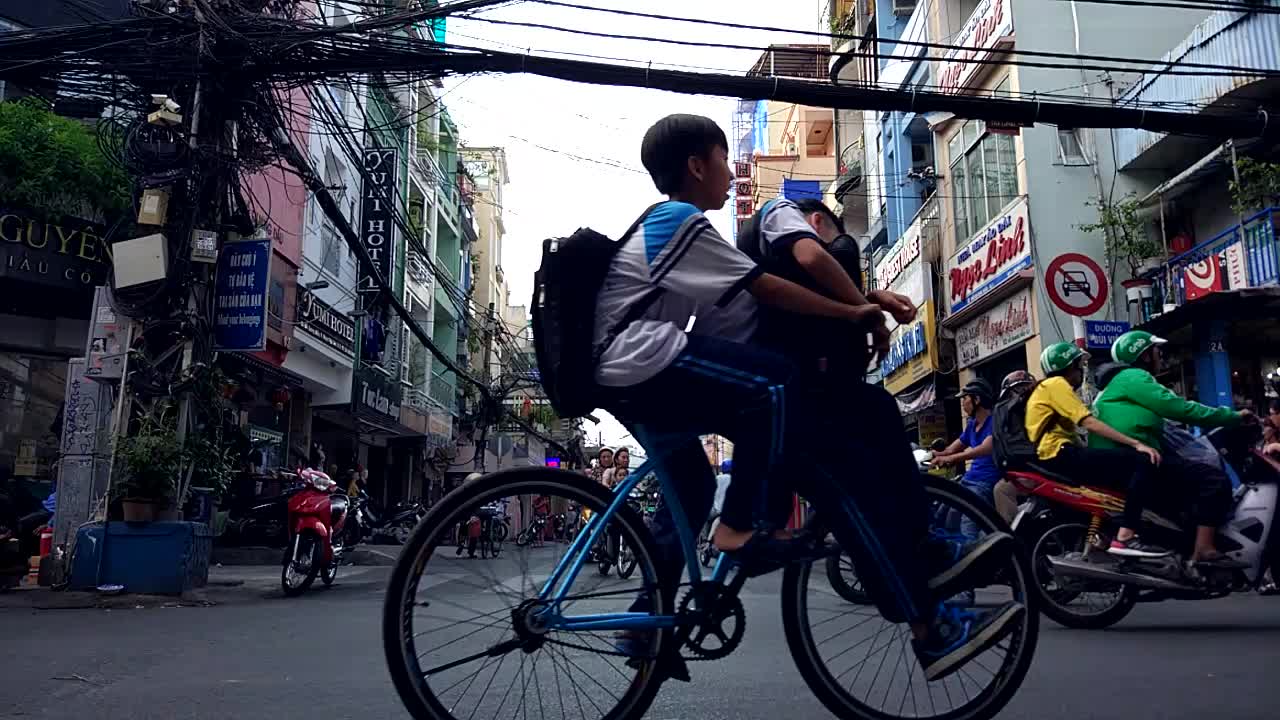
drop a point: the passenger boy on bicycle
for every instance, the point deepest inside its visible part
(657, 376)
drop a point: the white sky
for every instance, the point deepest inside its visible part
(552, 194)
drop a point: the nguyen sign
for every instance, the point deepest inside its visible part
(992, 257)
(990, 23)
(67, 253)
(999, 328)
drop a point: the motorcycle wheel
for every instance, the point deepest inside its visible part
(400, 532)
(626, 561)
(293, 580)
(1059, 602)
(329, 573)
(604, 562)
(843, 577)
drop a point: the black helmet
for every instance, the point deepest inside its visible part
(980, 389)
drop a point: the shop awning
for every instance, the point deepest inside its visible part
(1188, 179)
(914, 401)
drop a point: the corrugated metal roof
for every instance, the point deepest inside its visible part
(1224, 38)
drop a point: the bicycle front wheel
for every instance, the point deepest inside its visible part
(471, 640)
(862, 667)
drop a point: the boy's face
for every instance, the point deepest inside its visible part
(712, 179)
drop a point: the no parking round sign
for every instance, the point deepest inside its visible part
(1076, 284)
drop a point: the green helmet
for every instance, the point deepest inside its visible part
(1129, 347)
(1059, 357)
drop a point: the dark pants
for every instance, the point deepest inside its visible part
(1205, 489)
(868, 473)
(870, 490)
(1127, 469)
(730, 389)
(714, 386)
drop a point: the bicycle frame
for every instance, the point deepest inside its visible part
(555, 589)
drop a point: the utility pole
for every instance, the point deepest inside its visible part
(488, 412)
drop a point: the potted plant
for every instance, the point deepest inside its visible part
(1127, 240)
(147, 465)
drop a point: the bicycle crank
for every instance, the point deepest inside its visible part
(717, 623)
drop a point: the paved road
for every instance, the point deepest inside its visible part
(320, 656)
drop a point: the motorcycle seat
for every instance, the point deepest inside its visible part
(1050, 475)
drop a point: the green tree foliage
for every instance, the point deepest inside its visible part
(53, 165)
(1258, 187)
(1127, 238)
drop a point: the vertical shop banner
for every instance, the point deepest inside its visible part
(377, 214)
(240, 296)
(1237, 272)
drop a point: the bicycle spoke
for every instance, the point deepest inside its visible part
(462, 643)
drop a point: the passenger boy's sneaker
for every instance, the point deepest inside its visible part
(958, 636)
(969, 565)
(1135, 548)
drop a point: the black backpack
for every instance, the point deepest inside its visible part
(1011, 446)
(749, 239)
(563, 315)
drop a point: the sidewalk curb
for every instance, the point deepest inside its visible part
(362, 555)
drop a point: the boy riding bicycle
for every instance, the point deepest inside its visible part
(671, 372)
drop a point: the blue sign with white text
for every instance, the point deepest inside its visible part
(240, 296)
(1101, 334)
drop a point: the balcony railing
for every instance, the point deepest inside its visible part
(444, 392)
(1246, 255)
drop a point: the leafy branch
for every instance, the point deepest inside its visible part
(1126, 236)
(1258, 186)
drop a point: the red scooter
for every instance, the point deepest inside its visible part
(317, 544)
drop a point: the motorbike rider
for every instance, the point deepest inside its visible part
(1005, 493)
(1054, 411)
(974, 446)
(1133, 402)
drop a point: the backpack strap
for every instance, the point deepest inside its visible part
(637, 310)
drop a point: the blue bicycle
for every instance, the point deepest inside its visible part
(531, 634)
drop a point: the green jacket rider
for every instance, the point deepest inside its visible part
(1135, 403)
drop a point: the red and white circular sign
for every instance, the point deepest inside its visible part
(1076, 284)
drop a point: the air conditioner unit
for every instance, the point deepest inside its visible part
(904, 7)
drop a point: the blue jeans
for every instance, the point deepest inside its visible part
(984, 489)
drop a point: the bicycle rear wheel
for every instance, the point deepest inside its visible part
(862, 667)
(469, 640)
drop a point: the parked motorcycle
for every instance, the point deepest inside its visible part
(317, 518)
(262, 521)
(1068, 527)
(395, 526)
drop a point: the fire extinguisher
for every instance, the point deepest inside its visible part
(46, 540)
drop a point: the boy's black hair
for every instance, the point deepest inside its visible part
(670, 143)
(809, 206)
